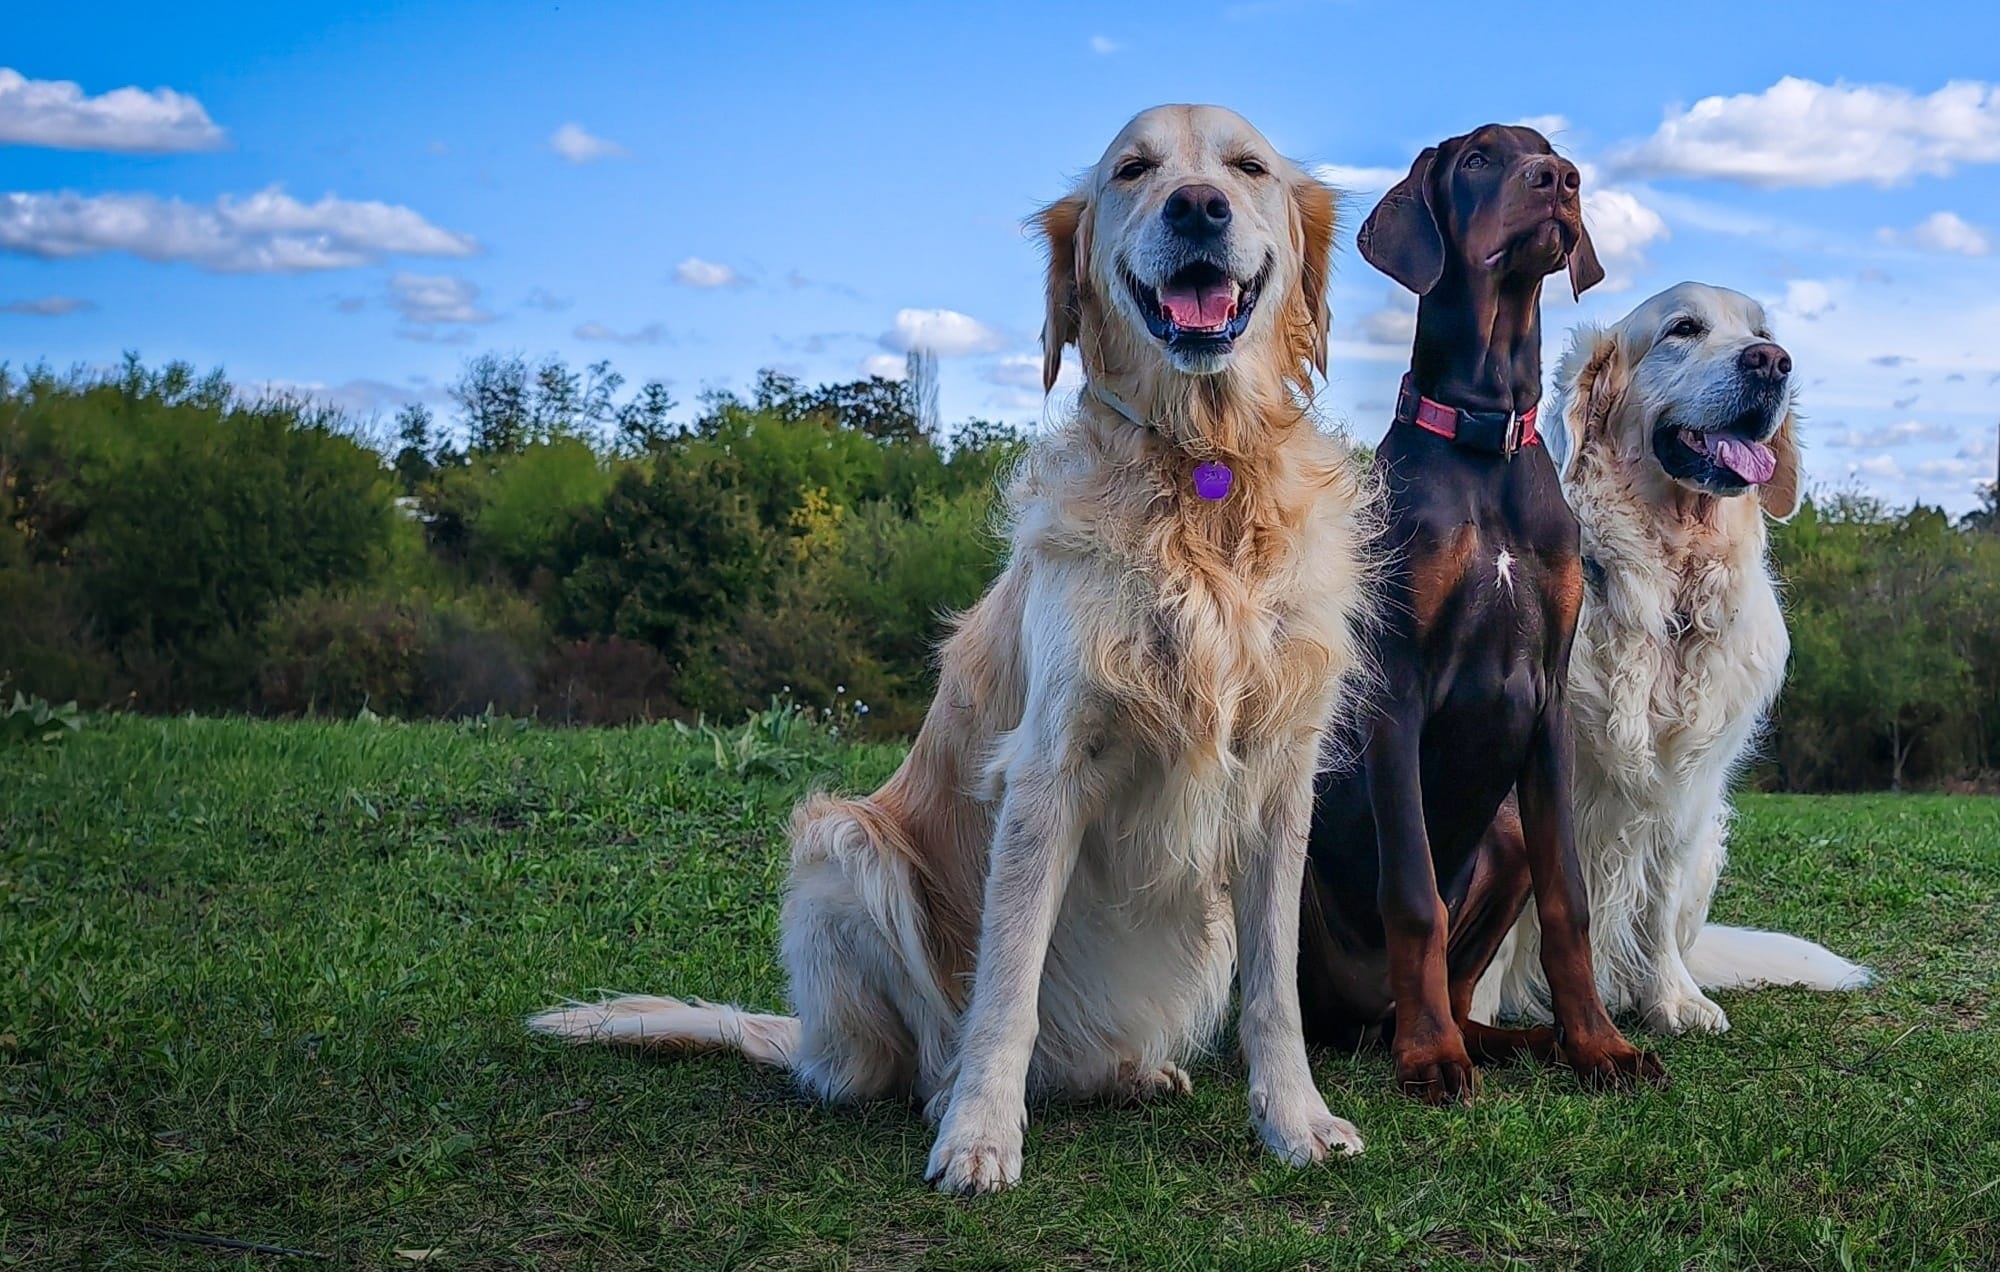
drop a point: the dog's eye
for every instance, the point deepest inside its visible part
(1251, 167)
(1133, 169)
(1684, 328)
(1474, 160)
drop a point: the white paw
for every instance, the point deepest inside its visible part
(976, 1153)
(1138, 1086)
(1689, 1012)
(1302, 1132)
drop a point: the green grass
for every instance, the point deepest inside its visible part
(265, 981)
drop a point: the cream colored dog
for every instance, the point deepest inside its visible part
(1683, 441)
(1108, 800)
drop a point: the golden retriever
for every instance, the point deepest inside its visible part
(1109, 797)
(1683, 441)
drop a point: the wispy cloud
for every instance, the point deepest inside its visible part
(650, 334)
(578, 145)
(60, 115)
(1104, 45)
(436, 300)
(696, 272)
(268, 232)
(47, 306)
(1946, 232)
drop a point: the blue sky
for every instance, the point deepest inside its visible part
(351, 199)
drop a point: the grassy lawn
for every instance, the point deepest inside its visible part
(264, 981)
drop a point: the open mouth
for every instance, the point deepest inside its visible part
(1199, 307)
(1728, 460)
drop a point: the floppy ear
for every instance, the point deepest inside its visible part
(1065, 227)
(1315, 214)
(1779, 497)
(1590, 381)
(1401, 236)
(1584, 271)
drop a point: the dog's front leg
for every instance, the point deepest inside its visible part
(1035, 847)
(1288, 1111)
(1431, 1060)
(1590, 1043)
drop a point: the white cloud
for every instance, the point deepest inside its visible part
(1621, 226)
(1394, 325)
(267, 232)
(574, 143)
(1942, 232)
(1355, 180)
(696, 272)
(56, 113)
(46, 306)
(1017, 371)
(1880, 467)
(1546, 125)
(945, 332)
(1104, 46)
(1901, 433)
(887, 366)
(1800, 132)
(650, 334)
(1806, 298)
(436, 299)
(547, 301)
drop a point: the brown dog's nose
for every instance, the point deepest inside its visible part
(1552, 173)
(1764, 361)
(1197, 211)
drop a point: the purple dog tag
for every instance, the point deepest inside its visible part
(1213, 480)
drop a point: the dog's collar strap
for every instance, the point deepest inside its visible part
(1502, 432)
(1116, 403)
(1212, 479)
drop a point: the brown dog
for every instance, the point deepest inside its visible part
(1405, 901)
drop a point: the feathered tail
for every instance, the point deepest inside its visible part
(641, 1020)
(1742, 958)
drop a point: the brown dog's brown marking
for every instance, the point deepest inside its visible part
(1435, 576)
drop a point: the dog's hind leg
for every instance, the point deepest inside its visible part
(874, 1020)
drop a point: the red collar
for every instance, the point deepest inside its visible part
(1502, 432)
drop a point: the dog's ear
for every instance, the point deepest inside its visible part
(1779, 497)
(1315, 213)
(1401, 236)
(1590, 380)
(1065, 229)
(1584, 270)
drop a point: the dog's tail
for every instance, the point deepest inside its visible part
(640, 1020)
(1742, 958)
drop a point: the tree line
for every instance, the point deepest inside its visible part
(558, 544)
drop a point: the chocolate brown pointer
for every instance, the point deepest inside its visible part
(1404, 903)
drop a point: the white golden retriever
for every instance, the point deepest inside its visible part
(1682, 441)
(1110, 794)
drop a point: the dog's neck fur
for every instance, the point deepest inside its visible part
(1479, 341)
(1230, 416)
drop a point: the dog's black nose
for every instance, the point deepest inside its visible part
(1197, 211)
(1764, 361)
(1551, 173)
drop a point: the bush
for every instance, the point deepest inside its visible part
(180, 514)
(334, 653)
(604, 680)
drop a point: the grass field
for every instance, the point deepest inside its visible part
(264, 982)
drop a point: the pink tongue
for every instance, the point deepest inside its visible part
(1203, 308)
(1752, 461)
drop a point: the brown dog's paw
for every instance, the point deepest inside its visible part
(1616, 1065)
(1441, 1074)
